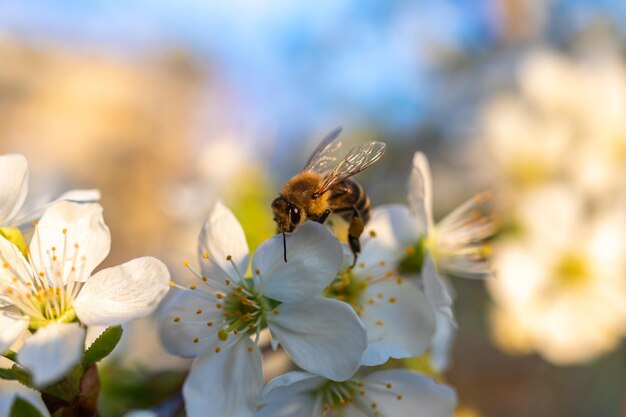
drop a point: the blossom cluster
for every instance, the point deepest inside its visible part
(339, 322)
(334, 321)
(558, 146)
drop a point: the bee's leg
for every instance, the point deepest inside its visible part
(354, 232)
(323, 217)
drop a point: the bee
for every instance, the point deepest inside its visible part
(324, 187)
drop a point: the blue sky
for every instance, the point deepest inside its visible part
(294, 65)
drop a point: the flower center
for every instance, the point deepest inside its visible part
(335, 397)
(412, 261)
(245, 311)
(346, 287)
(53, 305)
(572, 270)
(526, 172)
(351, 286)
(44, 291)
(240, 307)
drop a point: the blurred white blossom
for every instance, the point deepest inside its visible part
(559, 144)
(561, 287)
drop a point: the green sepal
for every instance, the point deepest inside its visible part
(69, 387)
(17, 373)
(22, 408)
(7, 373)
(10, 355)
(102, 346)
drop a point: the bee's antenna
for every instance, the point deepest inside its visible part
(285, 246)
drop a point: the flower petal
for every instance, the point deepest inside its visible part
(378, 353)
(390, 230)
(435, 289)
(52, 352)
(24, 222)
(10, 390)
(222, 236)
(123, 293)
(289, 395)
(225, 384)
(84, 244)
(13, 326)
(13, 185)
(313, 259)
(179, 324)
(411, 394)
(80, 196)
(402, 317)
(421, 192)
(442, 342)
(291, 378)
(321, 335)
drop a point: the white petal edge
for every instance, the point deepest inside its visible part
(421, 395)
(222, 236)
(289, 395)
(287, 379)
(79, 196)
(442, 342)
(123, 293)
(225, 384)
(378, 353)
(421, 192)
(13, 327)
(52, 351)
(85, 227)
(10, 390)
(322, 336)
(13, 185)
(314, 256)
(435, 289)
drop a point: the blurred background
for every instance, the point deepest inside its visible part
(165, 106)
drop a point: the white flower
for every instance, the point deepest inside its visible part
(51, 291)
(398, 317)
(14, 188)
(562, 106)
(561, 290)
(455, 245)
(216, 319)
(392, 393)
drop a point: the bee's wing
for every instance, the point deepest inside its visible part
(353, 163)
(323, 157)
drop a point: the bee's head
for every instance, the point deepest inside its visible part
(287, 216)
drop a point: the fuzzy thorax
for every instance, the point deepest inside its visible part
(299, 191)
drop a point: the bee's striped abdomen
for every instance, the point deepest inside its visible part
(363, 202)
(348, 195)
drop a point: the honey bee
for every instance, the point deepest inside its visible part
(324, 187)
